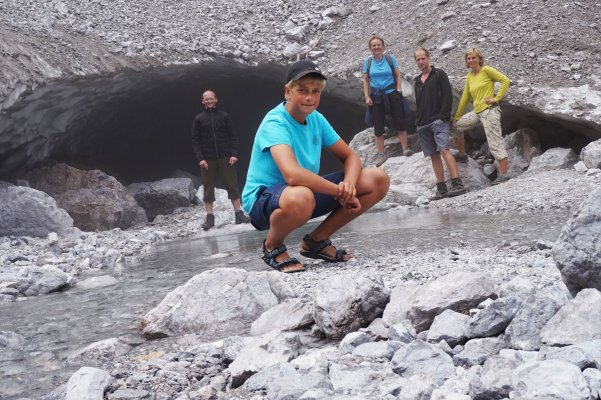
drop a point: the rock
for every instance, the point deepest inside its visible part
(343, 304)
(419, 357)
(403, 332)
(477, 351)
(106, 349)
(583, 355)
(29, 212)
(494, 382)
(289, 315)
(576, 322)
(580, 167)
(352, 340)
(449, 326)
(97, 281)
(265, 351)
(11, 340)
(164, 196)
(447, 46)
(577, 251)
(494, 318)
(87, 384)
(548, 379)
(43, 280)
(95, 200)
(593, 378)
(317, 360)
(383, 349)
(522, 146)
(364, 378)
(214, 301)
(129, 394)
(523, 333)
(556, 158)
(457, 291)
(591, 155)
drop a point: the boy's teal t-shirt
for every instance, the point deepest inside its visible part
(278, 127)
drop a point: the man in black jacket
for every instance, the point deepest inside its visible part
(216, 147)
(434, 100)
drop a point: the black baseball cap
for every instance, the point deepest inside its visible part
(302, 68)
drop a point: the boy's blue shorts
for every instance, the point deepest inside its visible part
(268, 201)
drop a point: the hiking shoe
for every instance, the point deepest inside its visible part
(407, 152)
(209, 222)
(457, 188)
(441, 191)
(241, 218)
(500, 179)
(461, 158)
(380, 158)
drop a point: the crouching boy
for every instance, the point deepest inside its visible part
(283, 189)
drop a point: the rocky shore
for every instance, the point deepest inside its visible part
(512, 321)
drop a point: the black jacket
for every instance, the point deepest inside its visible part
(213, 135)
(434, 98)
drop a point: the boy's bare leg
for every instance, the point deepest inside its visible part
(296, 206)
(371, 187)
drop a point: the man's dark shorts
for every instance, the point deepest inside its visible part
(434, 137)
(222, 168)
(268, 201)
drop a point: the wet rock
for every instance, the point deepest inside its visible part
(523, 333)
(270, 349)
(419, 357)
(576, 322)
(87, 384)
(591, 154)
(577, 251)
(556, 158)
(548, 379)
(11, 340)
(458, 291)
(342, 305)
(289, 315)
(29, 212)
(164, 196)
(43, 280)
(219, 300)
(106, 349)
(95, 200)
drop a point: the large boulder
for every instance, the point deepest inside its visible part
(343, 304)
(550, 379)
(29, 212)
(164, 196)
(522, 146)
(95, 200)
(88, 384)
(577, 251)
(576, 322)
(591, 154)
(457, 291)
(219, 301)
(553, 159)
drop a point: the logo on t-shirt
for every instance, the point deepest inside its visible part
(315, 140)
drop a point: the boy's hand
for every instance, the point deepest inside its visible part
(352, 206)
(346, 191)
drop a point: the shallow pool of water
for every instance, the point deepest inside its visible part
(57, 324)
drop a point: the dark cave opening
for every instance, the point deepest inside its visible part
(145, 135)
(136, 126)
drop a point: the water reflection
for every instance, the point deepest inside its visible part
(57, 324)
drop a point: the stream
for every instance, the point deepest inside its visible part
(57, 324)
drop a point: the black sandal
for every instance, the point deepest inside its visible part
(316, 247)
(269, 258)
